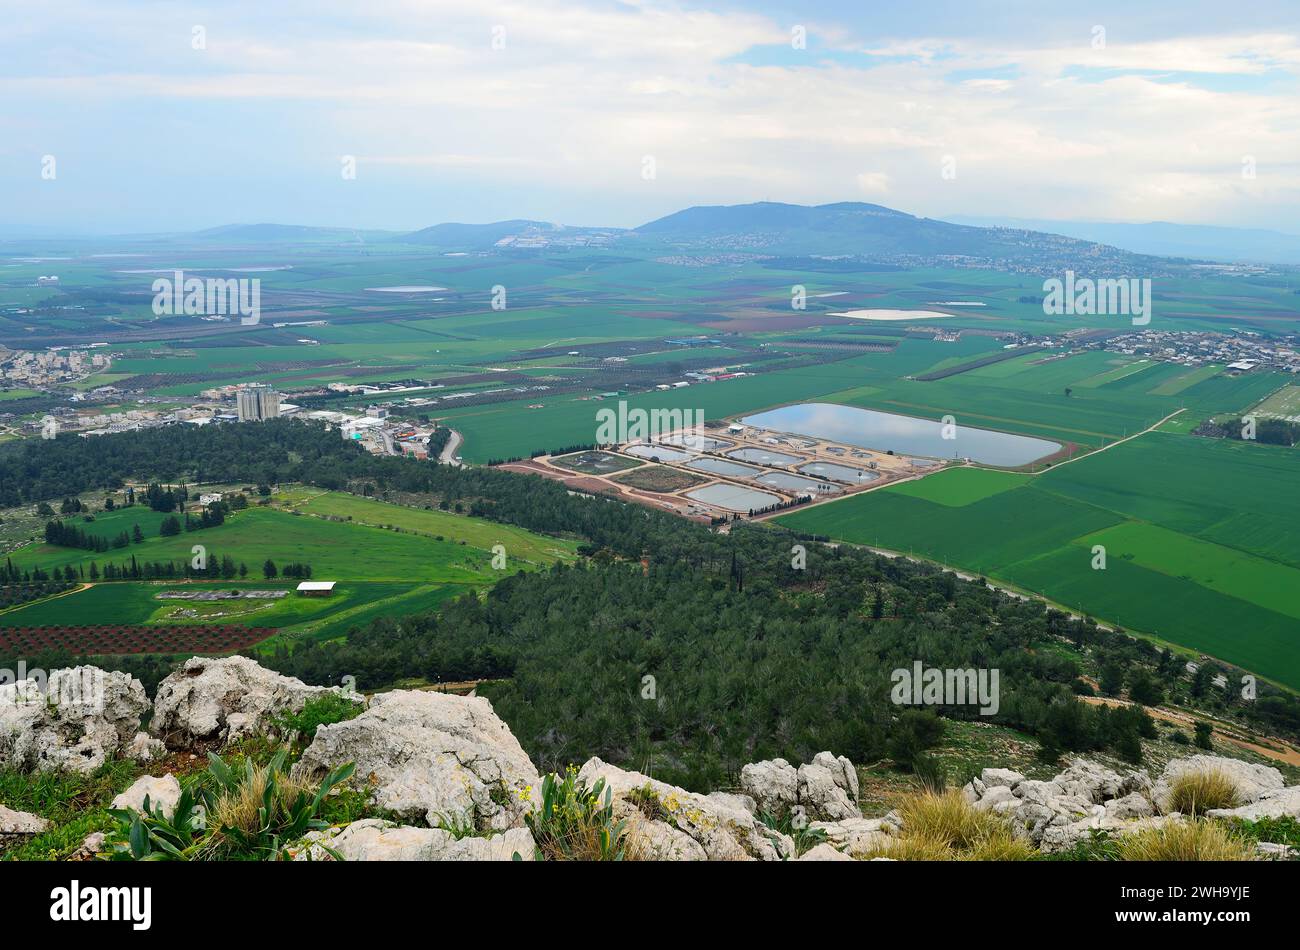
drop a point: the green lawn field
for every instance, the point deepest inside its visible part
(1202, 539)
(387, 559)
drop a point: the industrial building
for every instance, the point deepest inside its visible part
(256, 403)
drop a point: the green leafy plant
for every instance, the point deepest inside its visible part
(1283, 830)
(323, 710)
(804, 837)
(574, 822)
(458, 825)
(252, 813)
(258, 812)
(151, 835)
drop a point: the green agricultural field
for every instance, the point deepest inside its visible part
(1201, 536)
(109, 524)
(959, 487)
(1220, 568)
(380, 571)
(1283, 404)
(511, 429)
(331, 548)
(478, 533)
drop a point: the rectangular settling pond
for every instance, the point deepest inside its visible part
(733, 497)
(903, 435)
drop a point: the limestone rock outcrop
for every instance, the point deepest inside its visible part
(224, 700)
(670, 823)
(76, 721)
(430, 756)
(163, 794)
(17, 826)
(373, 840)
(824, 790)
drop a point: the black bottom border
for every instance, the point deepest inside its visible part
(336, 898)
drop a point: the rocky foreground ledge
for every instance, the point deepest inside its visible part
(422, 756)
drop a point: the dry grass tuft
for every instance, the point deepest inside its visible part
(943, 826)
(1185, 841)
(1195, 793)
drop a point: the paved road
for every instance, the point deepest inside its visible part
(448, 456)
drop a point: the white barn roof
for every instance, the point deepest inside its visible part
(316, 585)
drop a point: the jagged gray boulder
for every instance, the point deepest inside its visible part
(16, 826)
(1282, 803)
(998, 798)
(224, 700)
(1089, 781)
(663, 818)
(430, 756)
(1003, 777)
(78, 720)
(1268, 851)
(1064, 836)
(842, 771)
(1057, 814)
(856, 837)
(163, 793)
(1130, 806)
(772, 783)
(374, 840)
(824, 790)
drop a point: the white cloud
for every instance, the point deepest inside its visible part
(582, 90)
(873, 183)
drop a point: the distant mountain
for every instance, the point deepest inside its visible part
(852, 230)
(860, 230)
(1168, 240)
(518, 233)
(286, 233)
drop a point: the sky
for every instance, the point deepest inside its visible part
(122, 117)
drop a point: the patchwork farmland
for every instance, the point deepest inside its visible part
(414, 560)
(1200, 539)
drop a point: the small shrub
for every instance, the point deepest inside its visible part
(930, 773)
(1186, 841)
(804, 837)
(646, 800)
(1098, 846)
(323, 710)
(1284, 830)
(943, 826)
(915, 731)
(458, 825)
(914, 848)
(226, 814)
(1194, 793)
(576, 823)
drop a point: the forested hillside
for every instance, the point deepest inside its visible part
(672, 644)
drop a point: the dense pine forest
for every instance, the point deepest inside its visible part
(672, 646)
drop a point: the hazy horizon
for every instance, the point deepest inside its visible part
(164, 118)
